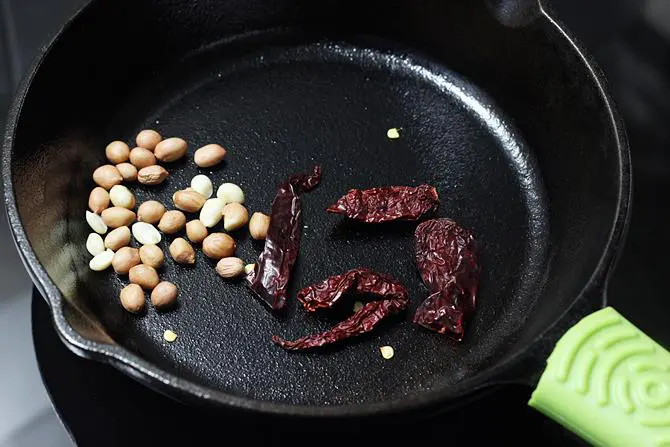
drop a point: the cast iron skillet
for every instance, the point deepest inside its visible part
(498, 107)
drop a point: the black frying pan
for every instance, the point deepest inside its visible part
(499, 109)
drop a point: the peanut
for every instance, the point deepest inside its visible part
(132, 298)
(96, 223)
(101, 261)
(230, 267)
(121, 196)
(148, 139)
(107, 176)
(211, 212)
(141, 157)
(196, 231)
(116, 217)
(150, 211)
(98, 200)
(218, 245)
(146, 233)
(164, 295)
(117, 152)
(171, 149)
(152, 175)
(172, 222)
(249, 268)
(144, 276)
(94, 244)
(202, 184)
(210, 155)
(127, 171)
(118, 238)
(189, 201)
(182, 252)
(235, 216)
(125, 259)
(230, 192)
(259, 225)
(152, 256)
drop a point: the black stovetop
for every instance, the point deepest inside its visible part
(100, 406)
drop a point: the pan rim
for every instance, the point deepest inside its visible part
(160, 380)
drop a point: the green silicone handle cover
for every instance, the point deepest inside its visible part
(609, 383)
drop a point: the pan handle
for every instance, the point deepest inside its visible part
(608, 382)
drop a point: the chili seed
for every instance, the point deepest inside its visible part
(169, 336)
(387, 352)
(393, 133)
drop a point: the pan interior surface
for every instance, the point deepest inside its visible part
(281, 105)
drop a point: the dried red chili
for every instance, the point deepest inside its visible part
(327, 293)
(447, 259)
(388, 203)
(272, 272)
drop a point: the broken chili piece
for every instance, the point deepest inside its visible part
(446, 256)
(327, 293)
(388, 203)
(270, 277)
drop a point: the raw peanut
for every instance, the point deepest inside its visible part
(132, 298)
(182, 252)
(210, 155)
(96, 223)
(98, 200)
(152, 256)
(127, 171)
(212, 212)
(146, 233)
(202, 184)
(125, 259)
(230, 192)
(235, 216)
(121, 196)
(118, 238)
(148, 139)
(258, 226)
(94, 244)
(218, 245)
(171, 149)
(107, 176)
(196, 231)
(117, 152)
(230, 267)
(150, 211)
(152, 175)
(141, 157)
(172, 222)
(189, 201)
(249, 268)
(101, 261)
(164, 295)
(116, 217)
(144, 276)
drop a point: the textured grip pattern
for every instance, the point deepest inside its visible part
(609, 383)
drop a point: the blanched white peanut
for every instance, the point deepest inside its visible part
(107, 176)
(171, 149)
(101, 261)
(94, 244)
(146, 233)
(211, 212)
(121, 196)
(148, 139)
(210, 155)
(117, 152)
(117, 238)
(202, 184)
(235, 216)
(249, 268)
(96, 223)
(98, 200)
(230, 193)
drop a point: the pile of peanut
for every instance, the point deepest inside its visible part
(113, 213)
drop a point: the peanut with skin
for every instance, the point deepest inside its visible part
(127, 171)
(152, 175)
(152, 256)
(125, 259)
(98, 200)
(196, 231)
(218, 245)
(141, 157)
(235, 216)
(144, 276)
(118, 238)
(230, 267)
(132, 298)
(189, 201)
(151, 212)
(210, 155)
(117, 152)
(258, 226)
(172, 222)
(116, 217)
(148, 139)
(164, 295)
(171, 149)
(107, 176)
(182, 252)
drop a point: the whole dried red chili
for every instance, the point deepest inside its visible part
(387, 203)
(447, 259)
(328, 292)
(272, 272)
